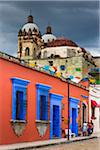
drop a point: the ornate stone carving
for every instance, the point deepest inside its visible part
(42, 127)
(18, 126)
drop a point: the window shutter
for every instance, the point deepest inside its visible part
(17, 105)
(21, 105)
(24, 109)
(43, 108)
(24, 105)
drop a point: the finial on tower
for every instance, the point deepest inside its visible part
(30, 17)
(49, 29)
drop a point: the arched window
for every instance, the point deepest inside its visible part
(45, 54)
(27, 51)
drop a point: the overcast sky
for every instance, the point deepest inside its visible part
(75, 20)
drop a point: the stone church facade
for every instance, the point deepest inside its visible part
(57, 56)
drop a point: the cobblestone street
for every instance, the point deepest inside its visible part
(92, 144)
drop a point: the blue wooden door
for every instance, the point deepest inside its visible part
(56, 121)
(73, 120)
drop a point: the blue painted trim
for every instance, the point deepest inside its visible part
(84, 96)
(55, 99)
(20, 81)
(74, 104)
(43, 86)
(42, 89)
(18, 84)
(74, 100)
(56, 96)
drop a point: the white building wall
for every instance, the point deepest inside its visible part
(95, 95)
(97, 121)
(62, 51)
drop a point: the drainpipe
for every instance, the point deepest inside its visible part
(68, 108)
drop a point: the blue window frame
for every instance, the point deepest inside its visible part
(42, 101)
(19, 98)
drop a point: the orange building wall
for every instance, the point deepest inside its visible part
(7, 71)
(76, 93)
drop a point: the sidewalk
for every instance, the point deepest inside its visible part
(97, 134)
(28, 145)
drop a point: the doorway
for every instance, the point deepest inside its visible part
(55, 115)
(84, 113)
(73, 120)
(74, 115)
(56, 121)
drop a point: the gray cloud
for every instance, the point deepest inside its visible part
(76, 20)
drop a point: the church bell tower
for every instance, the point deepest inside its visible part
(29, 40)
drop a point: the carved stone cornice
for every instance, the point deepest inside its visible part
(42, 127)
(18, 126)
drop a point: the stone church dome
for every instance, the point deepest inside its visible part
(48, 36)
(30, 25)
(62, 42)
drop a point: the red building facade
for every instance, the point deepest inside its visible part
(33, 103)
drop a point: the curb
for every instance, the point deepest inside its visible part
(51, 144)
(89, 138)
